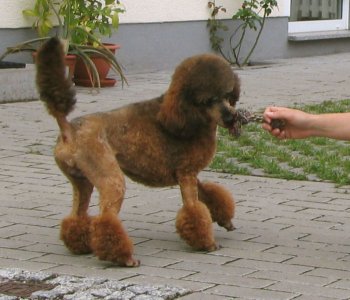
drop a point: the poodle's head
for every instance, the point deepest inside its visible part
(203, 93)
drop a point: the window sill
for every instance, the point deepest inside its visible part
(319, 35)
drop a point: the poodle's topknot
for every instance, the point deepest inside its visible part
(203, 76)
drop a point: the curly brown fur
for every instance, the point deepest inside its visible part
(56, 91)
(186, 89)
(164, 141)
(220, 203)
(75, 233)
(110, 242)
(193, 224)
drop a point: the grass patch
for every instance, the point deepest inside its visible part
(308, 159)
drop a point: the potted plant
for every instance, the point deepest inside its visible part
(97, 19)
(81, 24)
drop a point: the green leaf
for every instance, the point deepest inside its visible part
(29, 13)
(48, 23)
(115, 21)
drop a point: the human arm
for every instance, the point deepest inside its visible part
(300, 125)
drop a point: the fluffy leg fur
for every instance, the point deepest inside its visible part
(194, 225)
(111, 242)
(219, 202)
(75, 233)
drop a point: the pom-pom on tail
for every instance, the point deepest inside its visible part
(55, 89)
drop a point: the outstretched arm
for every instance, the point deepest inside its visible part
(300, 125)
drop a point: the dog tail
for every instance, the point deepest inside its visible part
(55, 89)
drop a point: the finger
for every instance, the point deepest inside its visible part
(274, 108)
(267, 116)
(276, 132)
(270, 115)
(267, 119)
(266, 126)
(282, 135)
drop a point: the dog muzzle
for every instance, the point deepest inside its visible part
(240, 117)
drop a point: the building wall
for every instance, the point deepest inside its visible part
(150, 11)
(156, 35)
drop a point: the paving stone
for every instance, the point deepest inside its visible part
(232, 280)
(263, 265)
(341, 284)
(203, 296)
(249, 293)
(18, 254)
(212, 269)
(312, 290)
(158, 280)
(289, 277)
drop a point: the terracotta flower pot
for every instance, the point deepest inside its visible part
(81, 75)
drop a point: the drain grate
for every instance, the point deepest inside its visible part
(23, 289)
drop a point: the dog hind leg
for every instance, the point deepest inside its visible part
(75, 228)
(109, 240)
(219, 202)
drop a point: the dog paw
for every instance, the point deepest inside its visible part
(228, 225)
(214, 247)
(132, 263)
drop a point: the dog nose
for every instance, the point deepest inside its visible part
(227, 116)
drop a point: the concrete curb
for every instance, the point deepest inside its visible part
(18, 84)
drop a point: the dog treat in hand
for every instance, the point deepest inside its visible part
(245, 116)
(277, 123)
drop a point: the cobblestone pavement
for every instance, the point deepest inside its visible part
(292, 237)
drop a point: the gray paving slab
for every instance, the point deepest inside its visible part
(292, 237)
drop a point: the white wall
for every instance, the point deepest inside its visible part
(11, 13)
(150, 11)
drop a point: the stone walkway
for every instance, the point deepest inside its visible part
(292, 238)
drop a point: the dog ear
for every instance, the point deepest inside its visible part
(178, 117)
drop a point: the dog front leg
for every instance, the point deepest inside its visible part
(193, 221)
(220, 203)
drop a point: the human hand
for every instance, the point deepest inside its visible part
(295, 122)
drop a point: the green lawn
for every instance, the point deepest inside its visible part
(257, 152)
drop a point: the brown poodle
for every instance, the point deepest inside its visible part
(165, 141)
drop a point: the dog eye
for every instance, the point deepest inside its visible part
(231, 97)
(212, 100)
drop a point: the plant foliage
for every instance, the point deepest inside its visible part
(81, 26)
(252, 16)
